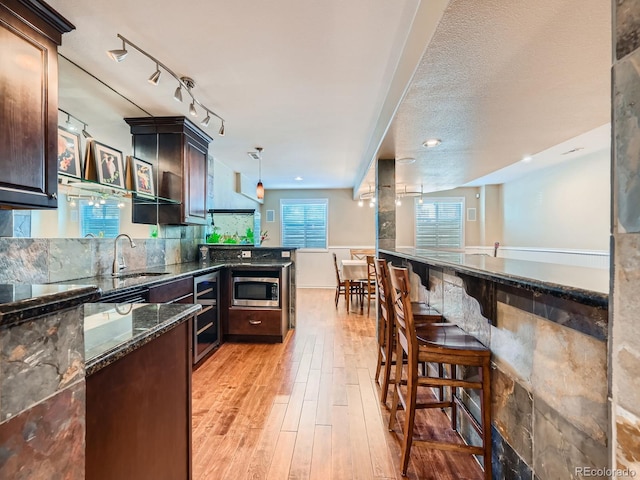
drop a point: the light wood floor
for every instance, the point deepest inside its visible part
(307, 408)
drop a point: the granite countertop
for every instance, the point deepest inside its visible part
(112, 330)
(584, 284)
(18, 303)
(158, 274)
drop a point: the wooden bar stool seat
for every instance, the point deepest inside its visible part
(423, 314)
(452, 346)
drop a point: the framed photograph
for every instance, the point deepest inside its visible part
(142, 177)
(69, 153)
(109, 165)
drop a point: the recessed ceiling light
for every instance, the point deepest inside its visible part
(573, 150)
(432, 142)
(298, 179)
(405, 161)
(527, 158)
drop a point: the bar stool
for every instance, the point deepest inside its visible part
(440, 345)
(422, 313)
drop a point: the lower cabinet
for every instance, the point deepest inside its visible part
(139, 412)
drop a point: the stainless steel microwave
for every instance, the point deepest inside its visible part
(256, 291)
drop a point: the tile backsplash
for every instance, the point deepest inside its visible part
(37, 260)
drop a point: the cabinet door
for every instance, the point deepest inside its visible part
(28, 114)
(195, 198)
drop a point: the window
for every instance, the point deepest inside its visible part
(101, 220)
(304, 223)
(439, 223)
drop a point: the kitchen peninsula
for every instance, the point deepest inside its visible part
(45, 399)
(547, 327)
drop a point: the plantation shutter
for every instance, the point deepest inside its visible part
(439, 224)
(304, 223)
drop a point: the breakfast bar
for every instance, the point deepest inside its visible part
(547, 327)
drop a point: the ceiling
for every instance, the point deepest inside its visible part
(325, 87)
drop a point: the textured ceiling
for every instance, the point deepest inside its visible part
(501, 79)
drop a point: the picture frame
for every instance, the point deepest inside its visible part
(142, 176)
(69, 162)
(109, 165)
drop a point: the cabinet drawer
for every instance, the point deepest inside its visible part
(244, 321)
(172, 291)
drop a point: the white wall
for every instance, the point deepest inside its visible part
(566, 206)
(224, 193)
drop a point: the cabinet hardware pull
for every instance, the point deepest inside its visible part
(255, 322)
(54, 195)
(205, 327)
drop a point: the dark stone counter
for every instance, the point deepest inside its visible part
(19, 303)
(112, 331)
(582, 284)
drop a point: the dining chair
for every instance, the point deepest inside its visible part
(361, 253)
(341, 286)
(437, 345)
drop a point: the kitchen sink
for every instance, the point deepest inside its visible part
(139, 275)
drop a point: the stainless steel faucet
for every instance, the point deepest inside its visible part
(117, 266)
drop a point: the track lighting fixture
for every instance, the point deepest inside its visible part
(155, 78)
(118, 55)
(70, 126)
(186, 82)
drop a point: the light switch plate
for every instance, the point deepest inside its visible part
(246, 253)
(286, 254)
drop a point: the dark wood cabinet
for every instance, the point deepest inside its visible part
(30, 32)
(139, 412)
(179, 150)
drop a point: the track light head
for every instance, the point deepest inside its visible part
(205, 122)
(178, 94)
(221, 131)
(85, 133)
(118, 55)
(70, 126)
(155, 78)
(192, 109)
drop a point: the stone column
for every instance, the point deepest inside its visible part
(386, 204)
(624, 317)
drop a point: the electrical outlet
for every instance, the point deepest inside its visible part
(246, 253)
(286, 254)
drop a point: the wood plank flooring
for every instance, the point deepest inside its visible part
(307, 408)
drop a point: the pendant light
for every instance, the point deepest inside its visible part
(259, 186)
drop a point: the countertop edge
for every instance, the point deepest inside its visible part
(110, 356)
(581, 295)
(15, 313)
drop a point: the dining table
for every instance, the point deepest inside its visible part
(352, 271)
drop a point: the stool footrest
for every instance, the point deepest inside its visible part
(447, 382)
(450, 447)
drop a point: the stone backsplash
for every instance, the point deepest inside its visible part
(37, 261)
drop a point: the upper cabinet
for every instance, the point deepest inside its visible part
(179, 149)
(30, 33)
